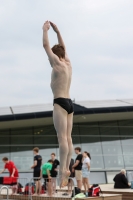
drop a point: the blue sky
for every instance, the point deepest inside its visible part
(99, 40)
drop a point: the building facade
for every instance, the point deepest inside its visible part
(103, 128)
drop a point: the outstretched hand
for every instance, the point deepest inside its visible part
(46, 26)
(54, 27)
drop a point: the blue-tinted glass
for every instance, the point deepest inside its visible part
(46, 153)
(127, 149)
(97, 162)
(92, 149)
(115, 161)
(22, 156)
(90, 139)
(128, 159)
(112, 149)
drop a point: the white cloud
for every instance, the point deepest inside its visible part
(98, 36)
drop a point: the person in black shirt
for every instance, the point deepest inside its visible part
(78, 167)
(54, 170)
(121, 180)
(37, 170)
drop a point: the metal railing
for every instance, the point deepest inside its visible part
(49, 188)
(5, 187)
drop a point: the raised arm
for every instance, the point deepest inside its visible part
(52, 57)
(60, 39)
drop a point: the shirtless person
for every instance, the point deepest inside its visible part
(63, 106)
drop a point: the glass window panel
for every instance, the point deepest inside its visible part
(90, 139)
(92, 149)
(111, 140)
(125, 123)
(109, 132)
(113, 161)
(75, 130)
(46, 153)
(44, 130)
(109, 128)
(76, 139)
(126, 141)
(22, 156)
(47, 140)
(128, 159)
(22, 131)
(111, 175)
(4, 132)
(4, 140)
(22, 136)
(127, 149)
(130, 176)
(97, 162)
(89, 129)
(21, 140)
(126, 131)
(45, 135)
(97, 177)
(4, 137)
(112, 149)
(4, 152)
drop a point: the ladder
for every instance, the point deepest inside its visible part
(5, 187)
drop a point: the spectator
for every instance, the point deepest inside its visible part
(37, 170)
(78, 166)
(54, 170)
(121, 180)
(86, 171)
(45, 172)
(13, 171)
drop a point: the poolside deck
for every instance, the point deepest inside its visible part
(127, 194)
(43, 197)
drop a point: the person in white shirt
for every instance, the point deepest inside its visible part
(86, 171)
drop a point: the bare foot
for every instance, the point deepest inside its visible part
(64, 179)
(35, 194)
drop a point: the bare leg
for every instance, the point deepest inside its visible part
(50, 187)
(79, 184)
(85, 185)
(83, 181)
(60, 123)
(69, 139)
(39, 187)
(70, 186)
(36, 182)
(54, 184)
